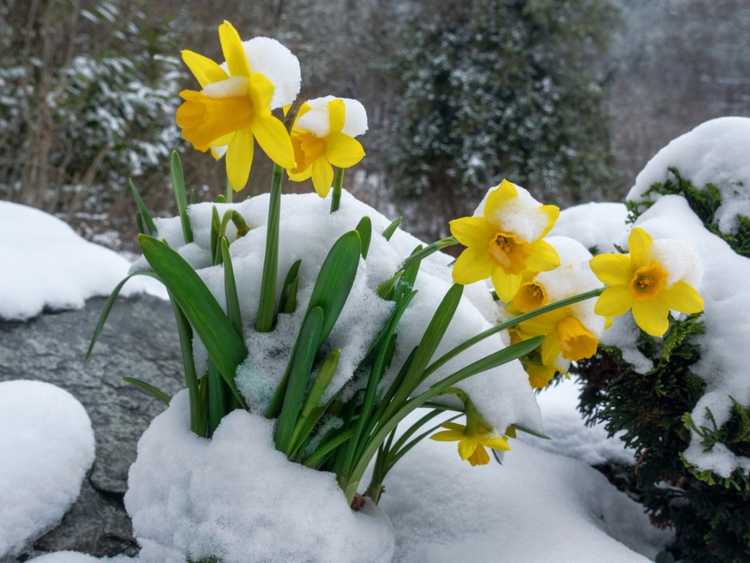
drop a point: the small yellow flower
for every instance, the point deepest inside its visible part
(233, 109)
(641, 281)
(506, 242)
(539, 374)
(472, 443)
(323, 137)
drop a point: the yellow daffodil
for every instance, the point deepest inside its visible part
(233, 109)
(472, 443)
(323, 137)
(504, 240)
(651, 280)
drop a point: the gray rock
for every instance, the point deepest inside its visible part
(139, 340)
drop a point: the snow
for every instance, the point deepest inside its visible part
(521, 215)
(185, 491)
(46, 265)
(535, 508)
(726, 293)
(317, 119)
(46, 449)
(272, 59)
(598, 226)
(307, 231)
(568, 433)
(714, 152)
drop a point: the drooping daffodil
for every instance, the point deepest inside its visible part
(656, 277)
(505, 240)
(233, 108)
(323, 136)
(570, 333)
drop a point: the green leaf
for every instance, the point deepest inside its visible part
(288, 303)
(390, 229)
(230, 288)
(315, 459)
(215, 228)
(217, 399)
(180, 194)
(364, 228)
(107, 308)
(322, 380)
(198, 407)
(300, 366)
(146, 223)
(148, 389)
(226, 348)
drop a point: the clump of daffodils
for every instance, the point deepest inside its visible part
(232, 111)
(323, 137)
(654, 278)
(504, 240)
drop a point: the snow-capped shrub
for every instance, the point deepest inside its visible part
(682, 402)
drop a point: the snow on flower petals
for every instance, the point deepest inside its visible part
(471, 443)
(323, 137)
(504, 240)
(656, 277)
(232, 111)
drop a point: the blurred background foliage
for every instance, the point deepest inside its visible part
(568, 98)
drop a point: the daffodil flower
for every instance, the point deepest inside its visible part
(653, 279)
(233, 109)
(323, 137)
(504, 241)
(472, 442)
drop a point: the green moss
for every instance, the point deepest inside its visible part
(703, 201)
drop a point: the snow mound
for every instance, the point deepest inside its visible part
(726, 294)
(714, 152)
(569, 435)
(196, 498)
(307, 232)
(46, 265)
(46, 448)
(317, 119)
(597, 226)
(537, 507)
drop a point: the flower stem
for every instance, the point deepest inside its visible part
(267, 305)
(228, 193)
(338, 181)
(428, 250)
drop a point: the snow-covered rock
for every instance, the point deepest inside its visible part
(597, 226)
(238, 498)
(307, 232)
(714, 152)
(46, 265)
(46, 448)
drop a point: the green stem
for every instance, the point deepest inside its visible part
(427, 250)
(267, 306)
(338, 181)
(510, 323)
(228, 193)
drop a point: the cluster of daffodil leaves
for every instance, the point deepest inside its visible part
(250, 98)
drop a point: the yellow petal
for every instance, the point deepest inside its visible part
(322, 176)
(498, 197)
(496, 443)
(466, 447)
(472, 231)
(639, 243)
(539, 374)
(552, 212)
(343, 151)
(612, 269)
(471, 266)
(652, 316)
(550, 349)
(506, 285)
(204, 69)
(240, 159)
(204, 120)
(260, 89)
(543, 257)
(234, 50)
(479, 457)
(614, 301)
(336, 115)
(447, 436)
(684, 298)
(453, 426)
(274, 139)
(300, 176)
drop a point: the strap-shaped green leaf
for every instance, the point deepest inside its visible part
(226, 348)
(230, 287)
(146, 223)
(288, 303)
(148, 389)
(364, 228)
(390, 229)
(180, 194)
